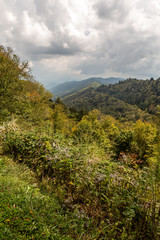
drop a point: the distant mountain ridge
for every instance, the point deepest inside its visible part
(70, 87)
(131, 99)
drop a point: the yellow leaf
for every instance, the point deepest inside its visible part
(71, 183)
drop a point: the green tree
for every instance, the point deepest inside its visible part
(123, 141)
(12, 70)
(61, 123)
(20, 94)
(144, 139)
(109, 125)
(89, 130)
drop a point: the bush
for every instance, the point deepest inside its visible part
(123, 142)
(119, 199)
(41, 153)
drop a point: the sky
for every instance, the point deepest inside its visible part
(66, 40)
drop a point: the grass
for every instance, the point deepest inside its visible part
(88, 195)
(26, 213)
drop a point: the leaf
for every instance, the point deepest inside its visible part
(7, 220)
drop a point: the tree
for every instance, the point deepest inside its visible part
(61, 123)
(144, 139)
(89, 130)
(12, 70)
(20, 94)
(123, 141)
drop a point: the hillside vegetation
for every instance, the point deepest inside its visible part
(71, 174)
(127, 100)
(144, 94)
(71, 87)
(90, 99)
(27, 212)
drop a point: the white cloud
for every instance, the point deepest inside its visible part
(11, 17)
(82, 38)
(35, 32)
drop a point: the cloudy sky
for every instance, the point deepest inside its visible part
(76, 39)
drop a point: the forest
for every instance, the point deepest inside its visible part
(85, 167)
(131, 99)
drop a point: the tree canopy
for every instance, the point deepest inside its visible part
(20, 94)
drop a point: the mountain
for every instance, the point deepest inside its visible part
(130, 99)
(70, 87)
(143, 93)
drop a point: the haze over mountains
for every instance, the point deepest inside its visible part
(70, 87)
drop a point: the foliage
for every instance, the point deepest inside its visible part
(27, 213)
(89, 130)
(61, 122)
(101, 176)
(123, 141)
(110, 126)
(127, 100)
(71, 87)
(20, 94)
(143, 93)
(117, 197)
(144, 140)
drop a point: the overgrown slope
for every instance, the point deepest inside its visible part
(91, 177)
(27, 213)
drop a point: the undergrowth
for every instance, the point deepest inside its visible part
(26, 213)
(91, 176)
(110, 199)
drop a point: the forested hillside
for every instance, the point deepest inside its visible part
(70, 87)
(67, 173)
(144, 94)
(127, 100)
(90, 99)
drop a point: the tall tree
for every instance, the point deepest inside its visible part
(20, 94)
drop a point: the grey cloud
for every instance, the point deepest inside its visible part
(112, 10)
(113, 36)
(52, 13)
(41, 7)
(92, 66)
(37, 53)
(61, 44)
(125, 52)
